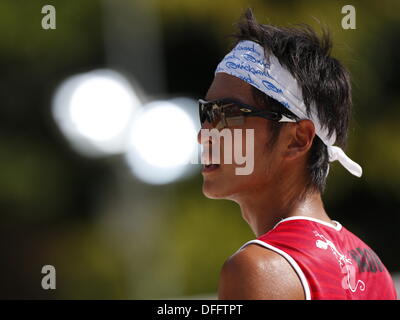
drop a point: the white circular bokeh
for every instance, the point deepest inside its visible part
(94, 111)
(162, 142)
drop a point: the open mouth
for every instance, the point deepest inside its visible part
(210, 167)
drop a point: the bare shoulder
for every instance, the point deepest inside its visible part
(258, 273)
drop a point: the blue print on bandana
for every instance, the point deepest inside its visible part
(250, 58)
(271, 87)
(244, 48)
(233, 65)
(232, 57)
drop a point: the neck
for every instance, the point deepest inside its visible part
(262, 210)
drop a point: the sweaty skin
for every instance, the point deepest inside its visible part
(270, 193)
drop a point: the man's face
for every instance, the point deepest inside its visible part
(223, 182)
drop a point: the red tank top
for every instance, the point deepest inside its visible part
(331, 262)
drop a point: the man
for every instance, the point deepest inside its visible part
(283, 84)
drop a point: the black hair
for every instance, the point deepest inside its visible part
(323, 81)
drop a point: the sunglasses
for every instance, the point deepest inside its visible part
(227, 112)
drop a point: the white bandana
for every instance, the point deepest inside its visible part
(247, 62)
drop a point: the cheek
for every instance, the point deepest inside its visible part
(266, 160)
(255, 154)
(258, 149)
(262, 161)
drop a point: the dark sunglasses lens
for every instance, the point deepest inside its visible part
(215, 116)
(232, 110)
(209, 112)
(202, 112)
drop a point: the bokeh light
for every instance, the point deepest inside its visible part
(162, 143)
(94, 111)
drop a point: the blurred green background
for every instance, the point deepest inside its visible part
(110, 235)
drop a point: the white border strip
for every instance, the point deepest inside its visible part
(338, 226)
(291, 261)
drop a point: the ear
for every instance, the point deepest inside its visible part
(299, 139)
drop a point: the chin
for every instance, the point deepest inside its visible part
(225, 184)
(213, 192)
(218, 189)
(227, 187)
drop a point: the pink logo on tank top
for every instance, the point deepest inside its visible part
(346, 265)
